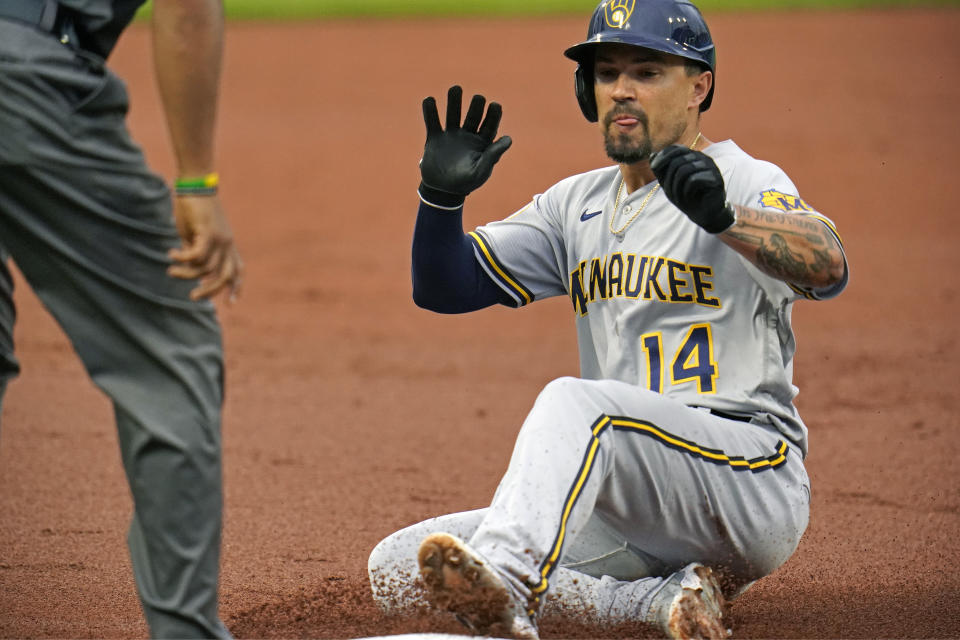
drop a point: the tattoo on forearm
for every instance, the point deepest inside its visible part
(770, 235)
(810, 230)
(746, 238)
(821, 261)
(777, 259)
(769, 217)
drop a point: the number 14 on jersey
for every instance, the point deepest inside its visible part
(692, 361)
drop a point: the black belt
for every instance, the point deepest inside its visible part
(48, 16)
(41, 14)
(730, 416)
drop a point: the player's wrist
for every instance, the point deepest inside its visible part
(438, 198)
(201, 185)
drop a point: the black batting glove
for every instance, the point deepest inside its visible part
(459, 159)
(693, 183)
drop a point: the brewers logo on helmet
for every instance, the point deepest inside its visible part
(617, 12)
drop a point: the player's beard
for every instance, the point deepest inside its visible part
(621, 147)
(627, 150)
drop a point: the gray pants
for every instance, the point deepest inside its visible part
(89, 226)
(611, 489)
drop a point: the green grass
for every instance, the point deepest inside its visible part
(303, 9)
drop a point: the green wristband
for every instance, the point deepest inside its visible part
(202, 186)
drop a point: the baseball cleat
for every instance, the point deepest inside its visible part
(690, 606)
(459, 580)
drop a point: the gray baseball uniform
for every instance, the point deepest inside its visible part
(680, 442)
(89, 226)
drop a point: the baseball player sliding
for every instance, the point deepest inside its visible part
(667, 478)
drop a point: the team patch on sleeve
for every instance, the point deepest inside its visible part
(498, 272)
(774, 199)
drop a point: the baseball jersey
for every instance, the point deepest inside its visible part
(663, 305)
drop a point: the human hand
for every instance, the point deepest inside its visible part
(692, 181)
(460, 159)
(208, 252)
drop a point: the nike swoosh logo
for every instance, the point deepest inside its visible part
(586, 216)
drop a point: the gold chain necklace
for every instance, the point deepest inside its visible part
(643, 204)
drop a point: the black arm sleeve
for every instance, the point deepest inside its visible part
(447, 277)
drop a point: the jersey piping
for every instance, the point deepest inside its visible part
(642, 427)
(499, 273)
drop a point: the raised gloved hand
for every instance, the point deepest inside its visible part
(692, 181)
(459, 159)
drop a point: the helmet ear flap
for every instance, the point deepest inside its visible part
(583, 85)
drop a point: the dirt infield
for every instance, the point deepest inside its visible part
(351, 413)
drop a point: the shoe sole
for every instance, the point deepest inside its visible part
(457, 580)
(698, 612)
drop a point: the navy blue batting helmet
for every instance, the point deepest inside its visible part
(670, 26)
